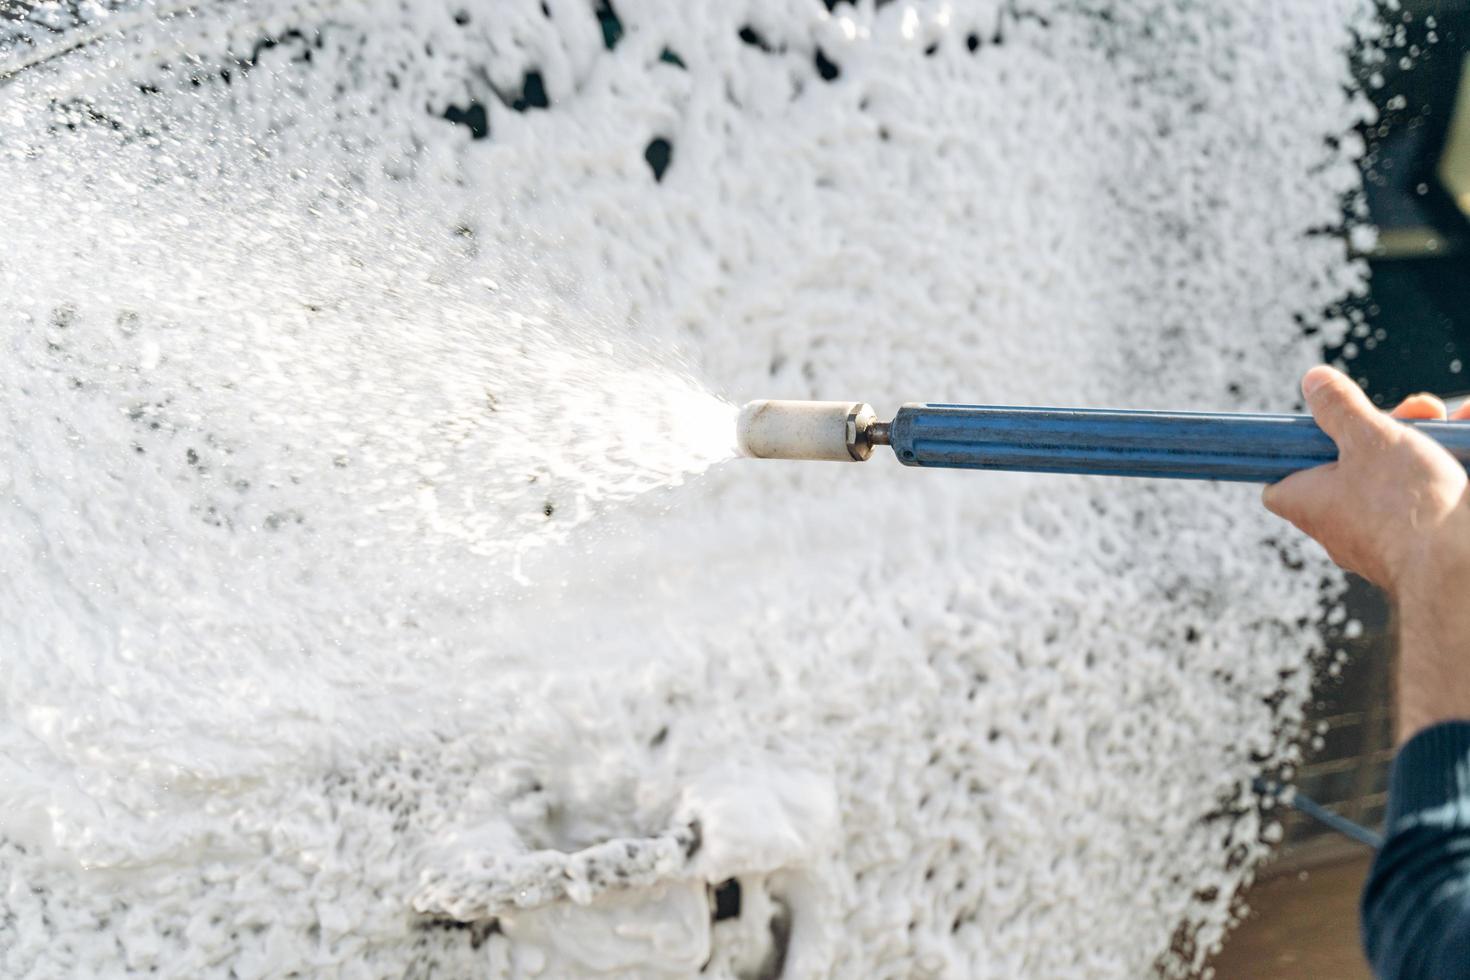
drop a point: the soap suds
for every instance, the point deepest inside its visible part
(295, 650)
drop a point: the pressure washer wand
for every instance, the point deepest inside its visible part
(1179, 445)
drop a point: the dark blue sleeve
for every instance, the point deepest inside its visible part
(1416, 906)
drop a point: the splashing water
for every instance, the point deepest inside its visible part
(388, 398)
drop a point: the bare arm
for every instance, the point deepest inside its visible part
(1395, 508)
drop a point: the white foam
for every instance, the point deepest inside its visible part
(259, 710)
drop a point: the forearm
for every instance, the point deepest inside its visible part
(1433, 682)
(1416, 906)
(1433, 677)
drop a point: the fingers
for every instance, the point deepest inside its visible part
(1339, 406)
(1421, 406)
(1462, 413)
(1301, 494)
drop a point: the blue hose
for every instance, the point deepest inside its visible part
(1311, 808)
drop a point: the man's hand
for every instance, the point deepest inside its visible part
(1395, 508)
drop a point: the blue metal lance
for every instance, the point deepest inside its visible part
(1175, 445)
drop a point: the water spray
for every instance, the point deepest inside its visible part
(1179, 445)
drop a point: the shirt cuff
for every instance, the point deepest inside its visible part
(1432, 773)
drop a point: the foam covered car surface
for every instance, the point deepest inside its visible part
(262, 711)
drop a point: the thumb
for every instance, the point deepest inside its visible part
(1340, 407)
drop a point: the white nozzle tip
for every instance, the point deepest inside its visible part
(771, 429)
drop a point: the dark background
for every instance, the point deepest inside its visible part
(1418, 193)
